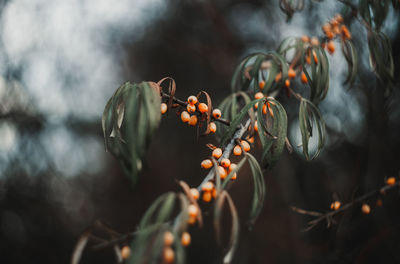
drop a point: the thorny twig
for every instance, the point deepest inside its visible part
(329, 215)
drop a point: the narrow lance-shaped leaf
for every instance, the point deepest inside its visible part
(350, 54)
(309, 115)
(259, 189)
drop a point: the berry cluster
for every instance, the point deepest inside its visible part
(194, 112)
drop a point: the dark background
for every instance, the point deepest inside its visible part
(56, 179)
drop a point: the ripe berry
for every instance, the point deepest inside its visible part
(168, 239)
(379, 202)
(168, 255)
(192, 100)
(391, 181)
(305, 39)
(335, 205)
(207, 197)
(336, 30)
(291, 73)
(191, 108)
(264, 109)
(213, 127)
(193, 210)
(258, 95)
(193, 120)
(308, 59)
(365, 208)
(185, 116)
(207, 187)
(214, 193)
(261, 85)
(203, 108)
(287, 83)
(206, 164)
(125, 252)
(314, 41)
(278, 77)
(234, 176)
(330, 35)
(237, 150)
(163, 108)
(326, 28)
(232, 167)
(216, 113)
(304, 78)
(315, 57)
(195, 193)
(217, 153)
(331, 47)
(256, 105)
(245, 145)
(345, 32)
(225, 163)
(185, 239)
(192, 220)
(222, 172)
(256, 126)
(339, 18)
(251, 140)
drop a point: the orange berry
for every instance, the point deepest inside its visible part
(256, 126)
(206, 164)
(339, 18)
(245, 145)
(345, 32)
(234, 176)
(287, 83)
(195, 193)
(225, 163)
(258, 95)
(203, 108)
(326, 28)
(207, 187)
(207, 197)
(232, 167)
(191, 108)
(214, 193)
(125, 252)
(335, 205)
(222, 172)
(329, 35)
(193, 120)
(305, 39)
(331, 47)
(185, 240)
(192, 220)
(168, 239)
(251, 140)
(237, 150)
(264, 109)
(213, 127)
(168, 255)
(304, 78)
(216, 113)
(391, 181)
(336, 30)
(314, 41)
(261, 85)
(163, 108)
(308, 59)
(365, 208)
(185, 116)
(217, 153)
(379, 202)
(315, 57)
(256, 106)
(334, 22)
(278, 77)
(291, 73)
(193, 210)
(192, 100)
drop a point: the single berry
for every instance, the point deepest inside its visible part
(222, 172)
(193, 210)
(193, 120)
(291, 73)
(213, 127)
(203, 108)
(207, 187)
(168, 239)
(168, 255)
(237, 150)
(191, 108)
(365, 208)
(217, 153)
(163, 108)
(258, 95)
(216, 113)
(245, 145)
(185, 116)
(391, 181)
(261, 85)
(195, 193)
(185, 240)
(225, 163)
(206, 164)
(192, 100)
(125, 252)
(304, 78)
(207, 197)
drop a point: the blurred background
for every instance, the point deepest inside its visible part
(60, 61)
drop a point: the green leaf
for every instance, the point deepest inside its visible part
(218, 209)
(308, 116)
(129, 120)
(159, 212)
(350, 54)
(374, 12)
(259, 189)
(272, 131)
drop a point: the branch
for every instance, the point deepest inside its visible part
(329, 216)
